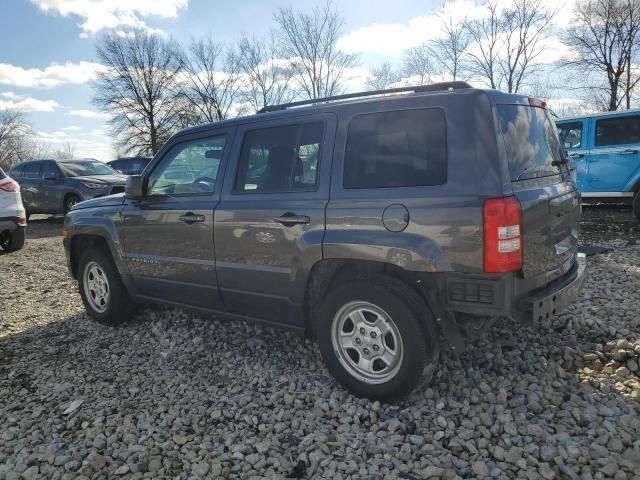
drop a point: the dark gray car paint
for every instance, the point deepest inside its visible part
(267, 279)
(41, 195)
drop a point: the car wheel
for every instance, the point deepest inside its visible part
(636, 205)
(13, 241)
(70, 202)
(377, 337)
(104, 296)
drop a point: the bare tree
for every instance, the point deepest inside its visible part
(603, 41)
(449, 48)
(213, 80)
(382, 77)
(267, 78)
(417, 63)
(12, 129)
(310, 42)
(139, 88)
(485, 37)
(67, 151)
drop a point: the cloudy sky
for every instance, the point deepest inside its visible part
(48, 56)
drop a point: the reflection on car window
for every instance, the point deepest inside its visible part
(530, 141)
(280, 159)
(48, 168)
(188, 168)
(32, 170)
(618, 131)
(86, 168)
(570, 134)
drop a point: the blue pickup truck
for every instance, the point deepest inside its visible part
(606, 150)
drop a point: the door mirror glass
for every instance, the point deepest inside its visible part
(134, 187)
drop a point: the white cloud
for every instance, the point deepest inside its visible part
(71, 128)
(393, 38)
(29, 105)
(87, 114)
(51, 76)
(98, 15)
(83, 145)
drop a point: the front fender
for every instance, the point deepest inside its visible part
(633, 184)
(101, 223)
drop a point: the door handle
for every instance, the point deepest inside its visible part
(190, 218)
(576, 155)
(629, 151)
(290, 219)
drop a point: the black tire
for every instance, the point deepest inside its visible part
(69, 202)
(13, 241)
(119, 307)
(636, 205)
(413, 320)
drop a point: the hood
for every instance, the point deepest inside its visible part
(108, 201)
(106, 179)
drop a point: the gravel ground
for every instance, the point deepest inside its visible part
(175, 394)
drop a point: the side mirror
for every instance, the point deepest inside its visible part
(134, 188)
(51, 176)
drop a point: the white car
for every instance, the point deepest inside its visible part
(13, 219)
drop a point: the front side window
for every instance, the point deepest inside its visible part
(531, 142)
(570, 134)
(188, 168)
(618, 131)
(280, 159)
(84, 168)
(49, 168)
(405, 148)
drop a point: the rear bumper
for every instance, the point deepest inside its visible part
(9, 224)
(552, 299)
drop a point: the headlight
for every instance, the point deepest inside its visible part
(94, 185)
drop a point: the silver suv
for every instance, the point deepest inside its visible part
(377, 223)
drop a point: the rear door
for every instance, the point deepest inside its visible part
(542, 184)
(615, 155)
(168, 234)
(271, 219)
(574, 138)
(30, 183)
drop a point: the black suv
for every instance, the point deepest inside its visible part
(378, 223)
(54, 186)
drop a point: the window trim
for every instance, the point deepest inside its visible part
(412, 187)
(228, 134)
(302, 121)
(597, 120)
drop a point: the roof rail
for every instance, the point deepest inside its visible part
(418, 89)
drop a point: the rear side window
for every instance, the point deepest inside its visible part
(17, 172)
(32, 170)
(570, 134)
(530, 141)
(280, 159)
(136, 166)
(119, 165)
(405, 148)
(618, 131)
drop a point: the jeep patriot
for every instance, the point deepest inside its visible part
(383, 224)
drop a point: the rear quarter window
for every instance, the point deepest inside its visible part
(530, 141)
(404, 148)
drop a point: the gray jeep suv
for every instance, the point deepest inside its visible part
(378, 223)
(54, 186)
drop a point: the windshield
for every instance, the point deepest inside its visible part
(89, 168)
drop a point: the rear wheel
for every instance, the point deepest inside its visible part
(636, 205)
(377, 337)
(70, 202)
(12, 241)
(104, 296)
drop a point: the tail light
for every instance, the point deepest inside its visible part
(22, 222)
(502, 224)
(10, 186)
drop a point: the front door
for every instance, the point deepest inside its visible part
(270, 221)
(615, 155)
(168, 234)
(574, 138)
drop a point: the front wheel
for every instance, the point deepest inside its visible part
(70, 202)
(377, 337)
(104, 296)
(12, 241)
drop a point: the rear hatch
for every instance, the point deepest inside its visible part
(542, 183)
